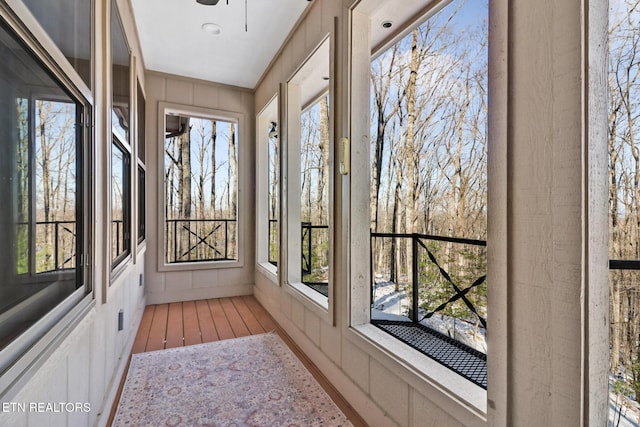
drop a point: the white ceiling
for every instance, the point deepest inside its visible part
(173, 41)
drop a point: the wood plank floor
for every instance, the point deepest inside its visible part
(194, 322)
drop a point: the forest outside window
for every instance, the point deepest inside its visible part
(624, 211)
(268, 189)
(428, 189)
(309, 179)
(44, 212)
(200, 188)
(121, 156)
(120, 202)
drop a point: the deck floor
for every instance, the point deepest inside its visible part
(194, 322)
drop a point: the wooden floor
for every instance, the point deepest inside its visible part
(194, 322)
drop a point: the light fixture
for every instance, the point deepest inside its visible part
(387, 24)
(211, 28)
(208, 2)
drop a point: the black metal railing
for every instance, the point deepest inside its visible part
(430, 292)
(315, 256)
(44, 258)
(193, 240)
(274, 231)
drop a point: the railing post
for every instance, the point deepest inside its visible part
(175, 241)
(414, 277)
(371, 277)
(226, 239)
(56, 245)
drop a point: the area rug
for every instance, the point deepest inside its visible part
(249, 381)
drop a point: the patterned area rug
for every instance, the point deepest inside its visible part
(250, 381)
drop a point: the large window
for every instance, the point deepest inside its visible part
(624, 211)
(427, 193)
(120, 148)
(314, 194)
(309, 178)
(268, 160)
(142, 210)
(43, 183)
(120, 203)
(200, 188)
(273, 193)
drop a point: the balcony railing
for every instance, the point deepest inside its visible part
(430, 292)
(195, 240)
(314, 258)
(53, 246)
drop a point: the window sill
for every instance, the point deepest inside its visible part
(58, 323)
(199, 265)
(453, 393)
(269, 271)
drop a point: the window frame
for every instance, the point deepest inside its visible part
(25, 354)
(141, 166)
(119, 262)
(165, 108)
(290, 251)
(263, 120)
(126, 203)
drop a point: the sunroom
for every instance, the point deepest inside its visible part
(433, 202)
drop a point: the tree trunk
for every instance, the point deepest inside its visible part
(214, 136)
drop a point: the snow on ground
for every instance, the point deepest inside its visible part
(392, 304)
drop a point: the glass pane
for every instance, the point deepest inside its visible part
(141, 204)
(55, 185)
(273, 166)
(624, 211)
(39, 188)
(120, 58)
(201, 188)
(68, 23)
(141, 124)
(429, 176)
(314, 200)
(119, 203)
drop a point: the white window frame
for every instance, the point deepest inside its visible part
(165, 108)
(269, 114)
(290, 251)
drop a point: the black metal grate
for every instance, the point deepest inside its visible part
(460, 358)
(323, 288)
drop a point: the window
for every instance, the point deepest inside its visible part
(141, 204)
(624, 210)
(268, 188)
(44, 214)
(273, 196)
(200, 188)
(426, 102)
(142, 220)
(309, 180)
(120, 206)
(314, 195)
(69, 25)
(120, 147)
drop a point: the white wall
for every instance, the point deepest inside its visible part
(169, 286)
